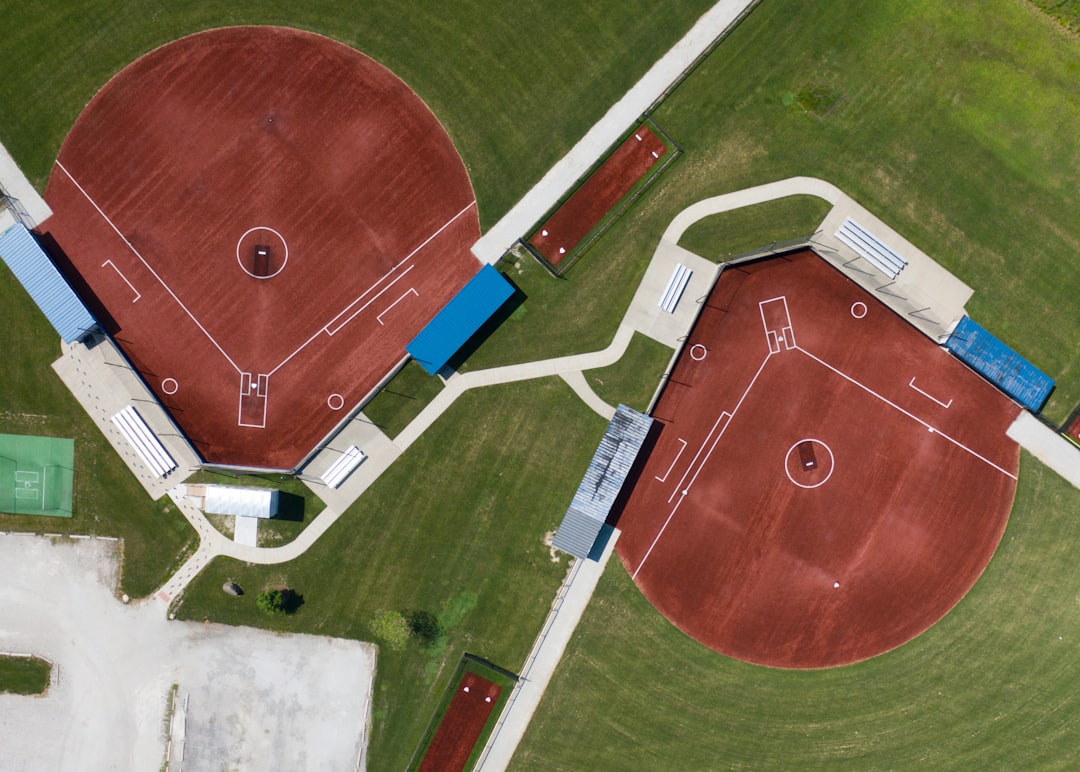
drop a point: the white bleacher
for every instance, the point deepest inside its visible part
(145, 443)
(344, 466)
(675, 286)
(870, 249)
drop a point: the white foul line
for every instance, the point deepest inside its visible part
(148, 266)
(345, 310)
(112, 265)
(912, 416)
(685, 491)
(943, 404)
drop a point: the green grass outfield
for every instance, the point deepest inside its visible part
(991, 686)
(515, 85)
(455, 528)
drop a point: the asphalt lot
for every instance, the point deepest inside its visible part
(255, 700)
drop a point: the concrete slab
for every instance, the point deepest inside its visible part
(256, 700)
(29, 207)
(645, 314)
(1047, 445)
(246, 531)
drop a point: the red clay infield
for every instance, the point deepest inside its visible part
(572, 221)
(461, 725)
(740, 544)
(242, 138)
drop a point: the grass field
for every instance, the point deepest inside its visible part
(24, 675)
(957, 124)
(722, 236)
(462, 540)
(990, 686)
(401, 400)
(634, 378)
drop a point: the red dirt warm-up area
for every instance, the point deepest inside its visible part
(461, 725)
(571, 223)
(828, 482)
(262, 218)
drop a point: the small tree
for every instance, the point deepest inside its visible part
(391, 628)
(271, 602)
(425, 628)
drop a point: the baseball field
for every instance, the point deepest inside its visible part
(959, 125)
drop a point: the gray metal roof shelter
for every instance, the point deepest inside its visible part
(603, 480)
(45, 284)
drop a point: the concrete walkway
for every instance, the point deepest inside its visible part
(1047, 445)
(925, 294)
(618, 119)
(566, 611)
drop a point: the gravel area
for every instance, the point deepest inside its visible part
(254, 700)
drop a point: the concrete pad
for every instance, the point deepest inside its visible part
(1047, 445)
(246, 531)
(645, 314)
(256, 700)
(31, 208)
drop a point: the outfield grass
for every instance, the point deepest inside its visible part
(461, 539)
(505, 80)
(108, 500)
(991, 686)
(957, 124)
(24, 675)
(634, 378)
(401, 400)
(722, 236)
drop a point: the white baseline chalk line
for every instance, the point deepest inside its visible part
(119, 273)
(400, 263)
(685, 491)
(336, 322)
(673, 463)
(405, 294)
(148, 266)
(720, 418)
(928, 396)
(912, 416)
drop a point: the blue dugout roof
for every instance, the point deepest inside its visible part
(460, 319)
(45, 284)
(1000, 365)
(607, 472)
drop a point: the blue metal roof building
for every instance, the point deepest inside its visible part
(603, 480)
(460, 319)
(44, 283)
(1000, 365)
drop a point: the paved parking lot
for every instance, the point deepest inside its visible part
(255, 700)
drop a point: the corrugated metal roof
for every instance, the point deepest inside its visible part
(1000, 365)
(603, 480)
(460, 319)
(48, 288)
